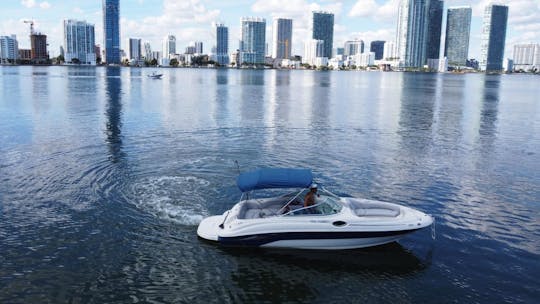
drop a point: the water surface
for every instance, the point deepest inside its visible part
(105, 174)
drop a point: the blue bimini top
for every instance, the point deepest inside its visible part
(274, 178)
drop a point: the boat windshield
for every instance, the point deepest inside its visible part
(326, 203)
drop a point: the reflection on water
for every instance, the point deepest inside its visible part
(265, 275)
(113, 113)
(489, 112)
(417, 112)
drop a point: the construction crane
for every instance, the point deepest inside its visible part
(31, 25)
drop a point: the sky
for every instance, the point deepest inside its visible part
(192, 20)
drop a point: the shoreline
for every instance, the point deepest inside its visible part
(270, 68)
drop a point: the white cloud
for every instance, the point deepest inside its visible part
(385, 12)
(363, 8)
(32, 4)
(28, 3)
(78, 10)
(45, 5)
(187, 20)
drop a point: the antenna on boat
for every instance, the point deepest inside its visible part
(237, 166)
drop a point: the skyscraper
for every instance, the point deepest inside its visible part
(412, 32)
(135, 49)
(169, 46)
(353, 47)
(222, 44)
(147, 51)
(458, 27)
(79, 41)
(111, 31)
(435, 15)
(377, 47)
(313, 48)
(323, 29)
(282, 32)
(198, 47)
(253, 41)
(9, 49)
(390, 52)
(493, 37)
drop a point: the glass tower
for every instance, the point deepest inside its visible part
(377, 47)
(323, 29)
(493, 37)
(282, 31)
(434, 29)
(135, 49)
(111, 31)
(222, 44)
(412, 33)
(458, 27)
(253, 43)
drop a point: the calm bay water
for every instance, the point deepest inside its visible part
(105, 174)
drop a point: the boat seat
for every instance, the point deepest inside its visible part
(251, 210)
(259, 213)
(376, 212)
(363, 207)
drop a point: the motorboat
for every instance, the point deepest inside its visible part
(155, 75)
(285, 221)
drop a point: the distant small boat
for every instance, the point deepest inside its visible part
(155, 75)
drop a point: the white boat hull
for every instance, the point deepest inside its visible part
(313, 231)
(334, 244)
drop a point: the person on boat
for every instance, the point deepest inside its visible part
(309, 199)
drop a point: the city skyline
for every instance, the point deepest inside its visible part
(151, 20)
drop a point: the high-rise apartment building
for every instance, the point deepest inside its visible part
(527, 57)
(353, 47)
(147, 51)
(169, 46)
(111, 31)
(282, 36)
(9, 49)
(313, 49)
(198, 47)
(493, 37)
(458, 28)
(390, 52)
(222, 44)
(253, 43)
(135, 50)
(377, 47)
(323, 29)
(412, 32)
(79, 42)
(190, 49)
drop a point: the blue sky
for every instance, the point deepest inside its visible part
(191, 20)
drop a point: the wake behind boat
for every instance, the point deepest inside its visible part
(330, 222)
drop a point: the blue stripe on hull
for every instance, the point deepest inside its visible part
(261, 239)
